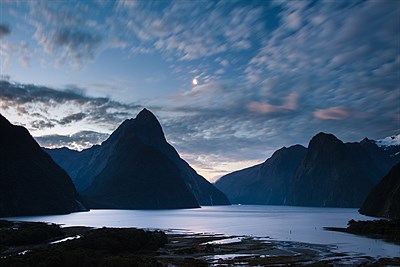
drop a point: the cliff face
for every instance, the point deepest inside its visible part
(332, 175)
(327, 173)
(384, 199)
(31, 183)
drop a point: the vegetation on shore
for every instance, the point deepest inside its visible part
(97, 247)
(39, 244)
(388, 230)
(27, 233)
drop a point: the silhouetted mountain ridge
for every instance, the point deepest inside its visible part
(31, 183)
(264, 183)
(327, 173)
(384, 199)
(136, 168)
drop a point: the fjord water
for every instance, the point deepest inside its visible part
(282, 223)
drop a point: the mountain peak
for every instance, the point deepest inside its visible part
(146, 117)
(324, 139)
(145, 127)
(322, 135)
(148, 126)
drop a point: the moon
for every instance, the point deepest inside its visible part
(195, 81)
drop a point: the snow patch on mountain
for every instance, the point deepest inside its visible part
(393, 140)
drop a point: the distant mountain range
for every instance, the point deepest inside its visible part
(136, 168)
(31, 183)
(384, 199)
(329, 173)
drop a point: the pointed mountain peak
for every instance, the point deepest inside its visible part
(146, 117)
(145, 126)
(148, 124)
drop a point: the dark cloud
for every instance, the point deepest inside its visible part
(4, 30)
(73, 118)
(77, 43)
(69, 32)
(79, 140)
(46, 103)
(42, 124)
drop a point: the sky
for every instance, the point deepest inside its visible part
(230, 81)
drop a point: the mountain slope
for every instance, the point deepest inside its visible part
(75, 162)
(137, 157)
(265, 183)
(332, 174)
(31, 183)
(384, 199)
(327, 173)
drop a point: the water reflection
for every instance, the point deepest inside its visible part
(300, 224)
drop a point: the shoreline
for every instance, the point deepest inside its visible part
(384, 229)
(185, 248)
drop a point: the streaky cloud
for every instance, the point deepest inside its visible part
(77, 141)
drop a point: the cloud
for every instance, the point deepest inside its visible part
(333, 113)
(62, 107)
(9, 51)
(76, 43)
(25, 61)
(78, 141)
(289, 103)
(73, 118)
(208, 30)
(70, 33)
(41, 124)
(4, 30)
(271, 74)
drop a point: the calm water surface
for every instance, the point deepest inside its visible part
(283, 223)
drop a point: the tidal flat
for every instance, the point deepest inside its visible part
(42, 244)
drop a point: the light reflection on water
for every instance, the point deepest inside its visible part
(284, 223)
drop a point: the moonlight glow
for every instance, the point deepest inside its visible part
(195, 81)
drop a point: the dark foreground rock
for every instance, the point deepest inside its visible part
(96, 247)
(388, 230)
(137, 247)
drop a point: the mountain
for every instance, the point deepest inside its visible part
(137, 168)
(74, 163)
(31, 183)
(384, 199)
(266, 183)
(333, 174)
(327, 173)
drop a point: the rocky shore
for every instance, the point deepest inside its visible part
(40, 244)
(388, 230)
